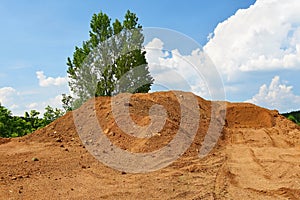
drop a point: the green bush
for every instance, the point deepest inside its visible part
(16, 126)
(293, 116)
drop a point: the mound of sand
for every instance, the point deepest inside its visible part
(257, 156)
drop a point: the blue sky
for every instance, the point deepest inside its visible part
(255, 48)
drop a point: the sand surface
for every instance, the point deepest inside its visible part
(257, 156)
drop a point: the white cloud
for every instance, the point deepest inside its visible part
(277, 96)
(6, 94)
(40, 106)
(32, 106)
(7, 97)
(55, 102)
(50, 81)
(156, 43)
(175, 71)
(19, 102)
(265, 36)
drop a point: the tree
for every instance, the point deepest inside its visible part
(67, 102)
(33, 118)
(16, 126)
(13, 126)
(110, 62)
(52, 114)
(292, 118)
(20, 127)
(5, 118)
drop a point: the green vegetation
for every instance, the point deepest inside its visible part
(15, 126)
(293, 116)
(110, 62)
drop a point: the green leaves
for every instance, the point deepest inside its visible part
(293, 116)
(15, 126)
(51, 114)
(112, 53)
(130, 21)
(100, 28)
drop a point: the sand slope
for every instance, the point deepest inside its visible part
(256, 157)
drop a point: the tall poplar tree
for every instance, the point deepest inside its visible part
(111, 61)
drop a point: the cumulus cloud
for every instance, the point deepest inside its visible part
(54, 102)
(174, 71)
(19, 102)
(265, 36)
(7, 96)
(277, 96)
(34, 98)
(32, 106)
(50, 81)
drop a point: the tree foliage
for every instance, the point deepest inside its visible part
(15, 126)
(110, 62)
(51, 114)
(293, 116)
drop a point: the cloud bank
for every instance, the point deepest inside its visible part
(175, 71)
(7, 97)
(34, 97)
(277, 96)
(256, 44)
(50, 81)
(18, 102)
(264, 37)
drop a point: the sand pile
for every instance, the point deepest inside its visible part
(256, 156)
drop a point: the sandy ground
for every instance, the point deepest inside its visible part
(257, 156)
